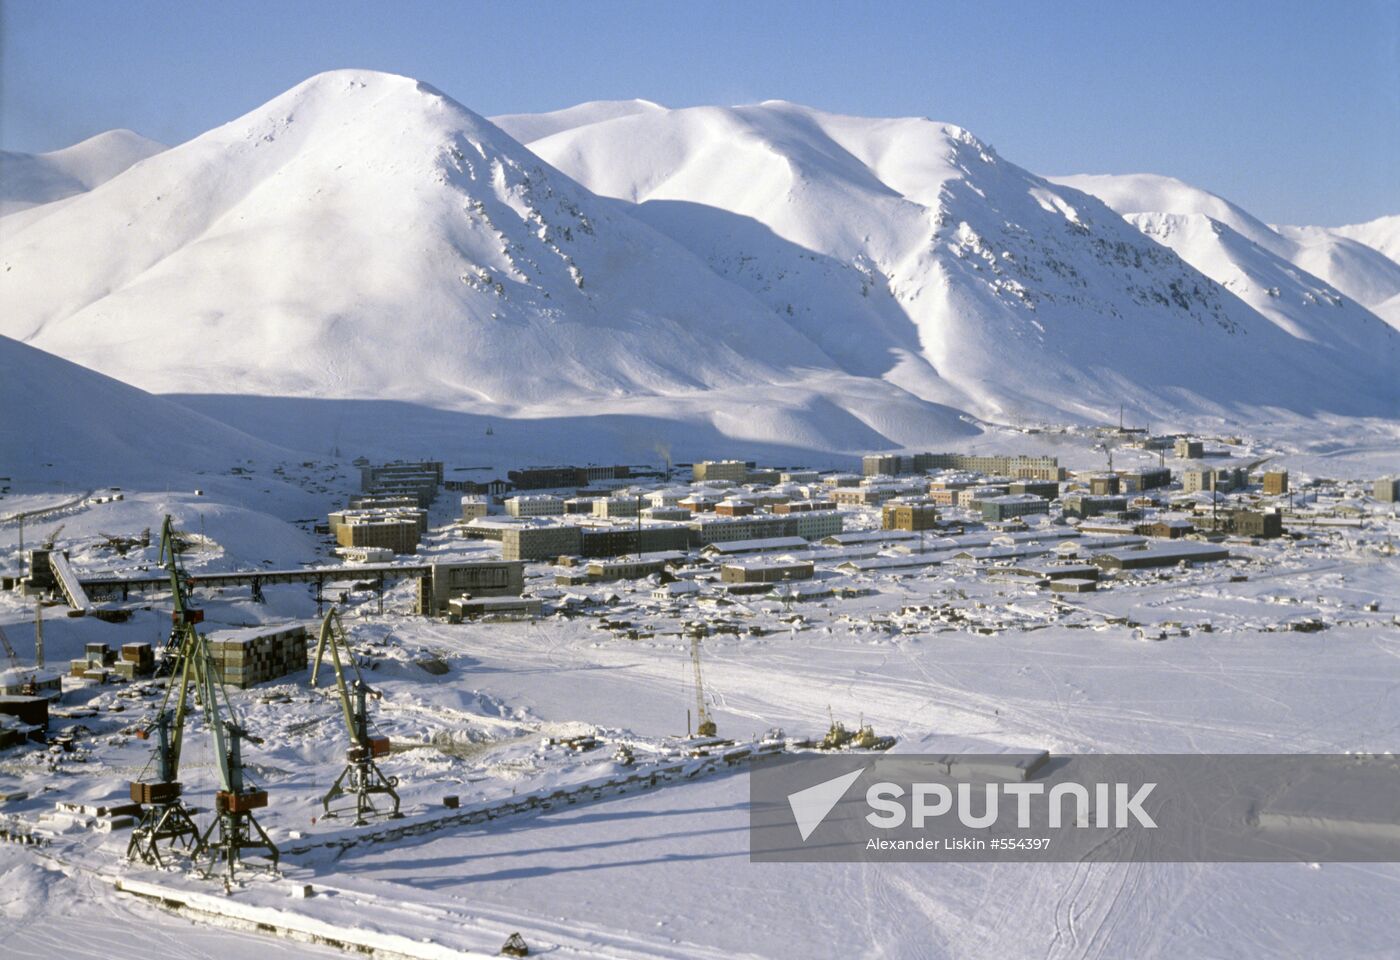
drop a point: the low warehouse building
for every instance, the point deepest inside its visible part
(774, 571)
(1160, 554)
(515, 608)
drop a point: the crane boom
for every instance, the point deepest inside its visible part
(9, 650)
(704, 723)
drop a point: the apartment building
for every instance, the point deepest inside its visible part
(535, 505)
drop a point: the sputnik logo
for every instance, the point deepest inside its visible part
(811, 805)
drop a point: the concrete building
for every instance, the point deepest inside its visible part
(1254, 523)
(996, 509)
(816, 524)
(803, 506)
(736, 548)
(1144, 478)
(495, 608)
(673, 514)
(615, 541)
(1104, 484)
(1386, 489)
(770, 571)
(612, 507)
(364, 554)
(669, 497)
(1021, 467)
(722, 529)
(700, 502)
(731, 507)
(1221, 480)
(971, 498)
(1186, 449)
(535, 505)
(475, 578)
(898, 515)
(735, 471)
(864, 496)
(606, 571)
(1167, 528)
(560, 477)
(1048, 489)
(798, 476)
(839, 480)
(1275, 482)
(475, 505)
(1084, 505)
(399, 534)
(540, 541)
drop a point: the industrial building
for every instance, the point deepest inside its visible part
(475, 578)
(771, 571)
(502, 608)
(1160, 554)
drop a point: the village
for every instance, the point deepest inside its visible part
(570, 635)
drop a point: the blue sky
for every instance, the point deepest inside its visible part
(1290, 109)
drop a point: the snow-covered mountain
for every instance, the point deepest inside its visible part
(30, 179)
(769, 273)
(910, 250)
(70, 424)
(1381, 235)
(1184, 217)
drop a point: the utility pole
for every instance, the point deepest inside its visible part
(38, 631)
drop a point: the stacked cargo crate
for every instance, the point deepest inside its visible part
(137, 660)
(255, 655)
(95, 663)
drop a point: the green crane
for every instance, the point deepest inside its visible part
(166, 822)
(361, 779)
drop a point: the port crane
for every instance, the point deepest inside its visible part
(361, 779)
(704, 723)
(166, 822)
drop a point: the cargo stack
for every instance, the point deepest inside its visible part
(137, 660)
(96, 663)
(243, 658)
